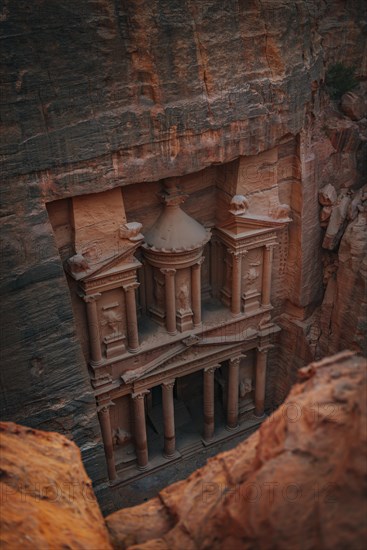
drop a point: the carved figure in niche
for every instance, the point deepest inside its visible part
(112, 320)
(78, 263)
(245, 387)
(159, 292)
(252, 275)
(239, 205)
(131, 231)
(183, 298)
(121, 437)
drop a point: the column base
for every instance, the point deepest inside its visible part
(198, 325)
(236, 314)
(232, 429)
(133, 350)
(263, 415)
(172, 333)
(96, 363)
(171, 455)
(143, 468)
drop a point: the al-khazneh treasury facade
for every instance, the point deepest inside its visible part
(175, 317)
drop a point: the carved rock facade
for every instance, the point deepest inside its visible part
(176, 318)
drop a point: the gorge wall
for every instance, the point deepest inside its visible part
(108, 94)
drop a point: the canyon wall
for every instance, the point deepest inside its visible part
(106, 94)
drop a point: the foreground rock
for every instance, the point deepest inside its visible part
(47, 501)
(298, 482)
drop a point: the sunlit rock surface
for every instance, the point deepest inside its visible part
(47, 500)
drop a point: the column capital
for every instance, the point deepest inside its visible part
(199, 262)
(104, 407)
(235, 361)
(139, 394)
(212, 368)
(270, 246)
(131, 286)
(265, 348)
(168, 271)
(168, 384)
(89, 298)
(235, 253)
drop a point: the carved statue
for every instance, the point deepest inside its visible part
(112, 320)
(131, 231)
(159, 292)
(78, 263)
(245, 387)
(183, 298)
(239, 204)
(252, 274)
(121, 437)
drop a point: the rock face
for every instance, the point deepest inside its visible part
(99, 95)
(298, 481)
(47, 500)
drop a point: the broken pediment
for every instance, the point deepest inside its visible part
(81, 270)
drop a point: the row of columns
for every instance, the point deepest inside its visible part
(138, 398)
(236, 290)
(140, 428)
(170, 289)
(93, 323)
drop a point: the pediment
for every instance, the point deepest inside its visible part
(245, 225)
(187, 350)
(103, 266)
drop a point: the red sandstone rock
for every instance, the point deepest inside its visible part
(299, 482)
(354, 106)
(47, 501)
(103, 105)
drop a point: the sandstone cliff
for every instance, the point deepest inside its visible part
(101, 94)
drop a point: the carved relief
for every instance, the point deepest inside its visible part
(111, 322)
(183, 299)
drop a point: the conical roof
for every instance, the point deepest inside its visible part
(175, 230)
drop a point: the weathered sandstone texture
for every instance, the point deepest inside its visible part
(298, 482)
(99, 94)
(47, 500)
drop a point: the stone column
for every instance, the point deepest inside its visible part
(236, 283)
(131, 318)
(267, 269)
(141, 445)
(232, 396)
(168, 419)
(196, 292)
(260, 383)
(209, 402)
(170, 300)
(93, 329)
(105, 423)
